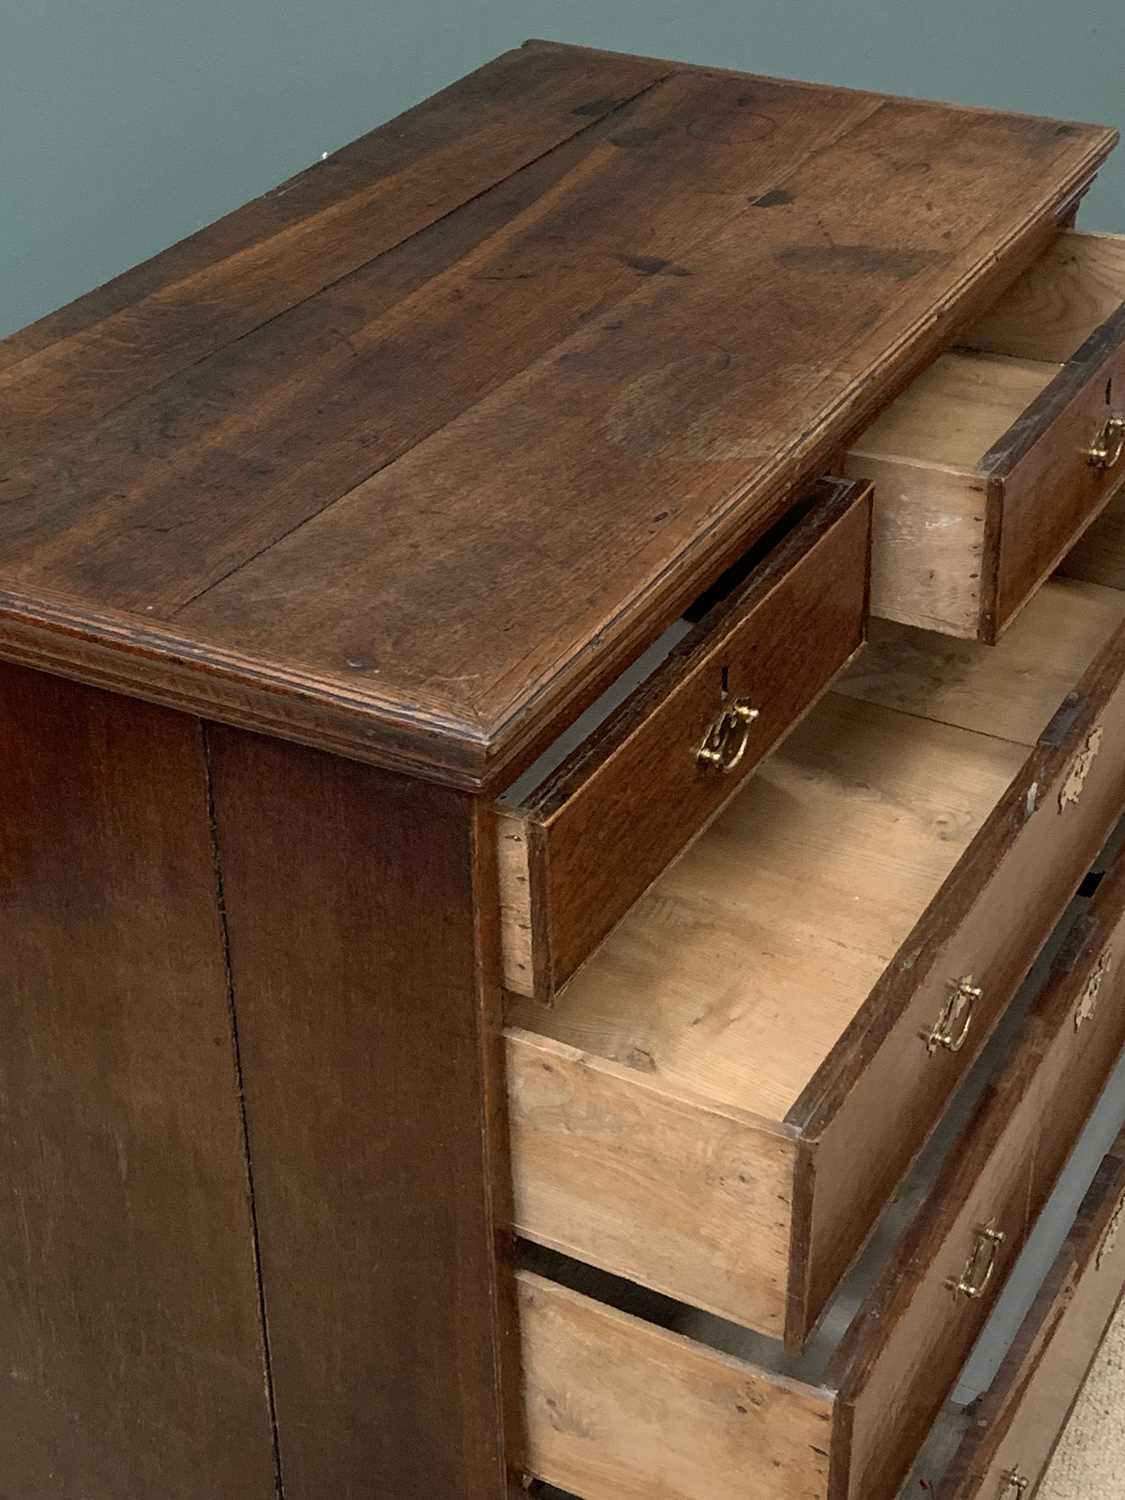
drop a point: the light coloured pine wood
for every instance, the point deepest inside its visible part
(927, 542)
(930, 523)
(1010, 690)
(735, 976)
(688, 1196)
(1057, 304)
(514, 874)
(621, 1410)
(953, 412)
(652, 1100)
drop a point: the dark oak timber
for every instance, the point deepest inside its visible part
(133, 1364)
(363, 973)
(332, 467)
(316, 532)
(1019, 1421)
(584, 844)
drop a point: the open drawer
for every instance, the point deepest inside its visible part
(590, 825)
(736, 1083)
(628, 1396)
(998, 456)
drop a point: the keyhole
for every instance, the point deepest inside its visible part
(1109, 391)
(724, 685)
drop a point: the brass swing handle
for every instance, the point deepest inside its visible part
(724, 744)
(975, 1278)
(951, 1029)
(1012, 1484)
(1108, 446)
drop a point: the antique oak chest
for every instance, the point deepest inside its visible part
(562, 680)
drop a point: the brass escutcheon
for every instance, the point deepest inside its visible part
(1110, 1237)
(951, 1029)
(1079, 769)
(724, 744)
(1088, 999)
(1013, 1483)
(1108, 446)
(974, 1279)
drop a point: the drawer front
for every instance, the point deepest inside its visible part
(895, 1074)
(617, 1408)
(591, 839)
(903, 1362)
(1009, 1446)
(1059, 467)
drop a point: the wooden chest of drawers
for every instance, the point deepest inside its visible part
(562, 675)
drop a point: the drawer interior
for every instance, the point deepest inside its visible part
(955, 411)
(651, 1109)
(589, 825)
(765, 1364)
(980, 481)
(1075, 286)
(738, 972)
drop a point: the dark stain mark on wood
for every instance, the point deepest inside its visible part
(861, 260)
(598, 107)
(652, 265)
(637, 135)
(775, 198)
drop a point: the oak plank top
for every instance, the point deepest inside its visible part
(406, 458)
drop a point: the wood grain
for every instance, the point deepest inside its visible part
(263, 260)
(1010, 691)
(879, 1092)
(580, 849)
(133, 1360)
(737, 973)
(617, 1409)
(1099, 554)
(620, 1406)
(666, 1187)
(1024, 1412)
(1053, 308)
(981, 464)
(364, 974)
(780, 971)
(1050, 491)
(410, 456)
(934, 513)
(900, 1362)
(928, 538)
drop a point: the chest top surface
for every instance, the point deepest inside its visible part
(407, 456)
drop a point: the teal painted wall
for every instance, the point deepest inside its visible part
(126, 124)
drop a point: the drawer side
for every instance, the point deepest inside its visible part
(669, 1190)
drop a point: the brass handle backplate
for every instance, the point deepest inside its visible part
(724, 744)
(1079, 769)
(1088, 1000)
(974, 1279)
(1111, 1236)
(1013, 1483)
(1109, 445)
(951, 1029)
